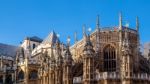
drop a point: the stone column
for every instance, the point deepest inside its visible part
(4, 79)
(43, 79)
(12, 75)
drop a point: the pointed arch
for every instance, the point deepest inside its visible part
(21, 75)
(109, 58)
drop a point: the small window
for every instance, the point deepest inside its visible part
(33, 75)
(34, 46)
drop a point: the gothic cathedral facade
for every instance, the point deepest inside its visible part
(108, 55)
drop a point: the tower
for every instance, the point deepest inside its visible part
(127, 68)
(88, 62)
(67, 66)
(58, 68)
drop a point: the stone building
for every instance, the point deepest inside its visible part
(146, 50)
(7, 63)
(108, 55)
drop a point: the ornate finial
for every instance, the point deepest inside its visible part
(97, 22)
(68, 41)
(127, 24)
(137, 24)
(89, 30)
(120, 21)
(75, 37)
(58, 35)
(84, 31)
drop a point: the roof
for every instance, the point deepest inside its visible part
(8, 50)
(35, 38)
(51, 38)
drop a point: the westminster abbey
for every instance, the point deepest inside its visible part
(108, 55)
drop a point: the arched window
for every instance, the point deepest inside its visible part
(8, 79)
(34, 46)
(21, 75)
(1, 79)
(33, 74)
(109, 59)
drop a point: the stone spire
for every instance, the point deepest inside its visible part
(84, 30)
(75, 37)
(137, 24)
(120, 21)
(120, 32)
(97, 22)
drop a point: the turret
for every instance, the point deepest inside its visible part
(59, 62)
(127, 62)
(88, 62)
(67, 66)
(52, 67)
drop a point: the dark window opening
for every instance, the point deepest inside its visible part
(34, 46)
(33, 75)
(21, 75)
(109, 59)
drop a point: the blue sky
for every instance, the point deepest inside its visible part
(21, 18)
